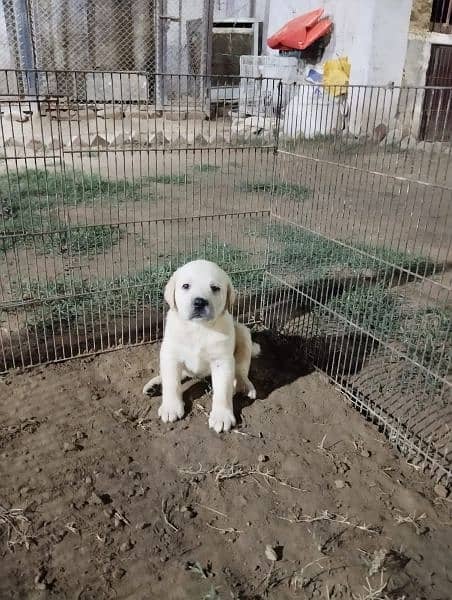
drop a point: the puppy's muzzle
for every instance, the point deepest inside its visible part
(201, 309)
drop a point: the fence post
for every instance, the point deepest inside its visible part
(25, 43)
(206, 54)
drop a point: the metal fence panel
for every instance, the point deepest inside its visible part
(332, 218)
(361, 231)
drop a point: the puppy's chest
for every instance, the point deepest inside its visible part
(197, 354)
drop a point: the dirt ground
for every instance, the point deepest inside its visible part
(303, 500)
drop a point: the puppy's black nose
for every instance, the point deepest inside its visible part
(200, 302)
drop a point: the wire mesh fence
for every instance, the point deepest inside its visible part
(164, 36)
(330, 214)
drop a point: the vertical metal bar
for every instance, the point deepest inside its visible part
(206, 55)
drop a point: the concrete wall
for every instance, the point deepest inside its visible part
(373, 34)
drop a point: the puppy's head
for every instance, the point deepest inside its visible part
(200, 291)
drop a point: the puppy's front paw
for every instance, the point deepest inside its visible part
(171, 411)
(221, 419)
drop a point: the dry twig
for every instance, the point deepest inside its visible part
(325, 515)
(236, 470)
(13, 520)
(165, 517)
(374, 593)
(413, 520)
(226, 530)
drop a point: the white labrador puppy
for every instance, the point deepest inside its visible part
(201, 339)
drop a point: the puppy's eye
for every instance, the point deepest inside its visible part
(186, 286)
(214, 288)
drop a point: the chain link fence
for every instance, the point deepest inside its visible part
(150, 36)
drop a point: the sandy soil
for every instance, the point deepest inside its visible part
(119, 505)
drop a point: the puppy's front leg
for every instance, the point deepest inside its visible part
(172, 407)
(222, 415)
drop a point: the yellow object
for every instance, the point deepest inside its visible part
(336, 73)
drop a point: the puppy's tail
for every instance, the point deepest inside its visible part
(255, 350)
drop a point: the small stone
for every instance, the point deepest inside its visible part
(270, 553)
(109, 511)
(88, 480)
(179, 142)
(125, 546)
(159, 139)
(111, 112)
(39, 580)
(24, 491)
(441, 491)
(394, 136)
(35, 145)
(41, 585)
(340, 484)
(95, 499)
(195, 114)
(200, 140)
(68, 446)
(262, 458)
(78, 142)
(121, 139)
(97, 141)
(118, 573)
(380, 132)
(141, 525)
(365, 453)
(408, 143)
(176, 115)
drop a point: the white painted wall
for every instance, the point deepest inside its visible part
(372, 33)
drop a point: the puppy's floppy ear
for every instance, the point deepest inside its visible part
(230, 296)
(170, 292)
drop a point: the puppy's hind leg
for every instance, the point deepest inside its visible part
(156, 381)
(152, 385)
(244, 350)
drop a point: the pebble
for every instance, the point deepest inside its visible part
(118, 573)
(262, 458)
(340, 484)
(270, 553)
(95, 499)
(88, 480)
(125, 546)
(365, 453)
(141, 525)
(441, 491)
(188, 512)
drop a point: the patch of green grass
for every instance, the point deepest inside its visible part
(206, 168)
(168, 179)
(426, 335)
(126, 292)
(316, 256)
(423, 335)
(89, 240)
(373, 308)
(28, 201)
(293, 191)
(31, 189)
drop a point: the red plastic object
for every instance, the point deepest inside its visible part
(301, 32)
